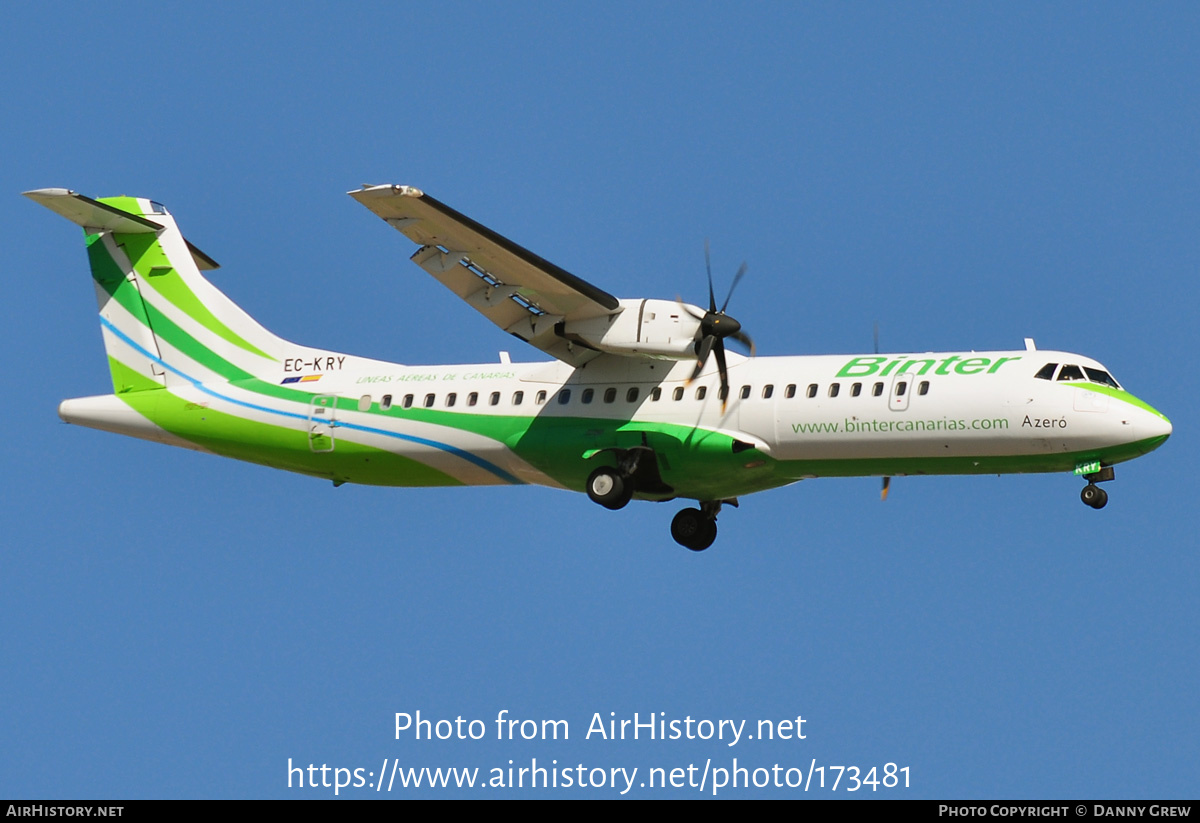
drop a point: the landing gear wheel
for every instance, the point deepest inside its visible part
(693, 530)
(1094, 496)
(609, 488)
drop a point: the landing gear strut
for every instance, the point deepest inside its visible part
(696, 529)
(1092, 495)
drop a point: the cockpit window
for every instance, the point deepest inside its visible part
(1102, 377)
(1068, 373)
(158, 208)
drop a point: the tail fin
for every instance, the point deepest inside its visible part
(163, 323)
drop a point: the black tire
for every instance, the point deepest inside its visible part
(1091, 494)
(707, 537)
(692, 530)
(609, 488)
(1101, 499)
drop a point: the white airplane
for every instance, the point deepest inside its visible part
(641, 401)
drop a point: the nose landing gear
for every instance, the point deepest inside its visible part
(1092, 495)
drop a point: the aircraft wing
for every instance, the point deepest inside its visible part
(519, 291)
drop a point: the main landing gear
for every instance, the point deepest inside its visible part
(610, 487)
(636, 470)
(613, 487)
(696, 529)
(1092, 495)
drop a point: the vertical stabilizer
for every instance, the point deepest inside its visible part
(164, 324)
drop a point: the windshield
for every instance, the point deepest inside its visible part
(1072, 373)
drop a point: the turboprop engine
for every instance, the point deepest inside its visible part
(662, 329)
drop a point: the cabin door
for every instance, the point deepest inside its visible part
(322, 418)
(902, 388)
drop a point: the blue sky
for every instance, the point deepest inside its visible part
(964, 175)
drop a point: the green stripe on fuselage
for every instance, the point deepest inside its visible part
(695, 462)
(1119, 394)
(1003, 464)
(279, 446)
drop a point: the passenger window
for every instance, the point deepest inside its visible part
(1046, 372)
(429, 401)
(923, 387)
(364, 403)
(656, 394)
(541, 397)
(386, 402)
(901, 388)
(564, 397)
(1070, 373)
(834, 388)
(518, 398)
(856, 390)
(610, 394)
(408, 401)
(790, 392)
(472, 398)
(451, 399)
(494, 400)
(812, 389)
(745, 392)
(768, 390)
(631, 396)
(678, 393)
(877, 390)
(587, 396)
(701, 391)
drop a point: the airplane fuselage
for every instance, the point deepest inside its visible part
(356, 420)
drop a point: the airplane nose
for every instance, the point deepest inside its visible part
(1153, 428)
(1160, 426)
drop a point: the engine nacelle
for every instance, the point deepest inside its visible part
(652, 328)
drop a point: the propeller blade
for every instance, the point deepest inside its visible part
(719, 351)
(745, 340)
(737, 277)
(887, 481)
(712, 301)
(689, 309)
(706, 344)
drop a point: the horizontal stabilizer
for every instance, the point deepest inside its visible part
(90, 213)
(96, 217)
